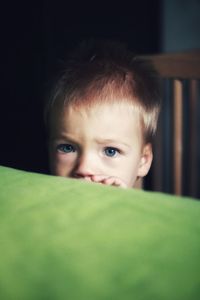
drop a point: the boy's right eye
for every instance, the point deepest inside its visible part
(65, 148)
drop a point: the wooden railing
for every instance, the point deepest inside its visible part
(176, 167)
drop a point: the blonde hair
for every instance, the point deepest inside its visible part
(105, 71)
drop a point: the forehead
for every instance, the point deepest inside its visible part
(107, 120)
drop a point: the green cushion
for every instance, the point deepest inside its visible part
(69, 239)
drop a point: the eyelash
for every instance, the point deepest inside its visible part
(116, 151)
(63, 148)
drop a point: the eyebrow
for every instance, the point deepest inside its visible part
(100, 141)
(112, 141)
(63, 136)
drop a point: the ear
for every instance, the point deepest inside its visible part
(145, 161)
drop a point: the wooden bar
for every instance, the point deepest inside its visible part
(178, 144)
(177, 65)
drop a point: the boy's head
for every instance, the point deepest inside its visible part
(102, 115)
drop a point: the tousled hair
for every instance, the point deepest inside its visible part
(105, 71)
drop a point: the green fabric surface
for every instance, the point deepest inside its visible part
(68, 239)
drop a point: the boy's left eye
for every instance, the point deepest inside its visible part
(111, 151)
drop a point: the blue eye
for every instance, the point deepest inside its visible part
(111, 152)
(65, 148)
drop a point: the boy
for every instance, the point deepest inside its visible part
(102, 116)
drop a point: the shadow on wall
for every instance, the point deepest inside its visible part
(180, 25)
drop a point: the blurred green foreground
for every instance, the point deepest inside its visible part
(68, 239)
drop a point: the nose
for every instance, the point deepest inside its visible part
(85, 166)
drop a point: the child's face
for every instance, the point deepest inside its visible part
(101, 144)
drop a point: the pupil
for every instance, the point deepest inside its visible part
(67, 148)
(110, 152)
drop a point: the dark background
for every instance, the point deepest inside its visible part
(34, 40)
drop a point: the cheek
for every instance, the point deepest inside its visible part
(129, 170)
(62, 164)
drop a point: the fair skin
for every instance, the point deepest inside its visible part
(102, 144)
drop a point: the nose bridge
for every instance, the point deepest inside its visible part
(85, 164)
